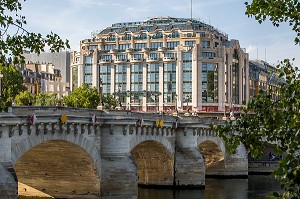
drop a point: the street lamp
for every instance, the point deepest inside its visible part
(1, 75)
(187, 103)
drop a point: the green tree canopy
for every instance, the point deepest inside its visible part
(83, 97)
(278, 122)
(24, 99)
(11, 85)
(277, 11)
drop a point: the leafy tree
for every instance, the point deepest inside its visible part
(83, 97)
(11, 85)
(277, 11)
(110, 102)
(15, 38)
(24, 99)
(278, 122)
(43, 99)
(265, 121)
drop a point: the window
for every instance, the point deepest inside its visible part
(172, 45)
(127, 37)
(106, 57)
(121, 56)
(205, 44)
(209, 82)
(175, 34)
(140, 46)
(92, 47)
(187, 75)
(105, 77)
(138, 56)
(170, 55)
(153, 55)
(156, 45)
(111, 38)
(120, 81)
(123, 47)
(208, 54)
(152, 81)
(235, 78)
(189, 43)
(169, 82)
(143, 36)
(88, 60)
(136, 83)
(109, 46)
(157, 36)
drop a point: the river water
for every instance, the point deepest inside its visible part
(255, 187)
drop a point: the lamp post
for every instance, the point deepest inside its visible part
(1, 75)
(187, 103)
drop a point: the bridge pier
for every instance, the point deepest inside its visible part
(189, 163)
(237, 164)
(119, 178)
(8, 182)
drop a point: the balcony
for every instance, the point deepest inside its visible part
(152, 59)
(129, 50)
(168, 59)
(120, 61)
(136, 60)
(113, 51)
(145, 50)
(162, 49)
(104, 61)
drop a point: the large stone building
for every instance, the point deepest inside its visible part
(165, 64)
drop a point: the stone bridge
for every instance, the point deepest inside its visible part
(68, 153)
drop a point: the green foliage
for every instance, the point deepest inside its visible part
(110, 102)
(43, 99)
(11, 85)
(15, 38)
(277, 11)
(83, 97)
(24, 99)
(265, 121)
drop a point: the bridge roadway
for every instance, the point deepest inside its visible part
(122, 151)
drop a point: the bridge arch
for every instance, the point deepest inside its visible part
(160, 139)
(22, 147)
(49, 162)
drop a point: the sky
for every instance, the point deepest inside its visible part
(75, 20)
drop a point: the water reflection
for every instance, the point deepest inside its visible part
(255, 187)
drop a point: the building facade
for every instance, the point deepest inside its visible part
(263, 76)
(166, 64)
(60, 60)
(43, 78)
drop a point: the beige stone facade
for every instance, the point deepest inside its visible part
(166, 64)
